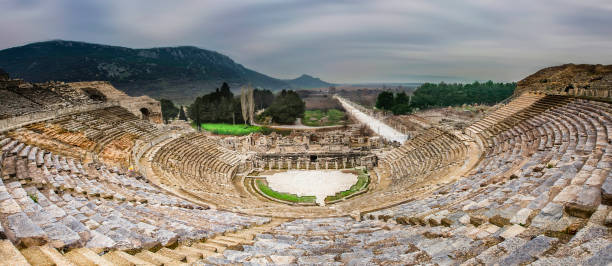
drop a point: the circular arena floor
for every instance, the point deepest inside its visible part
(318, 183)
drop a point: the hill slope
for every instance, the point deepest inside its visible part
(308, 82)
(178, 73)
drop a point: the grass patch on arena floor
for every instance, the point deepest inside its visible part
(363, 180)
(283, 196)
(228, 129)
(317, 118)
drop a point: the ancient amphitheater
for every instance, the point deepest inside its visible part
(89, 177)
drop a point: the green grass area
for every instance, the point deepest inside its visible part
(317, 118)
(363, 179)
(227, 129)
(283, 196)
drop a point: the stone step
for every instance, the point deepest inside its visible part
(156, 259)
(191, 255)
(118, 257)
(241, 235)
(86, 257)
(236, 240)
(45, 255)
(204, 252)
(170, 253)
(22, 231)
(210, 246)
(9, 255)
(224, 243)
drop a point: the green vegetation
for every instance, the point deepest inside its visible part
(285, 108)
(283, 196)
(169, 111)
(363, 180)
(431, 95)
(34, 198)
(228, 129)
(222, 107)
(217, 107)
(316, 118)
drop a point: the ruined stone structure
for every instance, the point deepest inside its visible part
(142, 106)
(576, 80)
(529, 184)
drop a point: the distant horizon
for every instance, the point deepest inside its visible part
(339, 41)
(427, 78)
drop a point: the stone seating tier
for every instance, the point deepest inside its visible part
(51, 199)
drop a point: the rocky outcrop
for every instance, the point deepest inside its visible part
(582, 80)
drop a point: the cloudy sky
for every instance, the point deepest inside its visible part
(339, 41)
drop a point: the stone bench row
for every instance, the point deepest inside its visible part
(40, 211)
(341, 241)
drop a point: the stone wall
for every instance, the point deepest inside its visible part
(144, 107)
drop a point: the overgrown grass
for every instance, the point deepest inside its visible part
(283, 196)
(227, 129)
(363, 179)
(317, 118)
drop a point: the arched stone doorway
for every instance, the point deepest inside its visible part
(145, 113)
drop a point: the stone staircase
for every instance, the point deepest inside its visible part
(206, 251)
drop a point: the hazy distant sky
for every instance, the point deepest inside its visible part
(338, 41)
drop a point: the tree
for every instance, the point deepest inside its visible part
(400, 98)
(251, 108)
(215, 107)
(443, 94)
(384, 100)
(247, 103)
(182, 115)
(262, 98)
(169, 111)
(286, 107)
(243, 104)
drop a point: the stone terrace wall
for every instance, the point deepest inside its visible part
(19, 121)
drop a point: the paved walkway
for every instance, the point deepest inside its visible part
(374, 124)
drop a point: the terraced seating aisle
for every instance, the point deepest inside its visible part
(53, 200)
(341, 241)
(197, 162)
(427, 152)
(110, 133)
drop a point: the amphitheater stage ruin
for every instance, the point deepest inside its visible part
(88, 178)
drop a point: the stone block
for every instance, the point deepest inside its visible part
(521, 216)
(21, 230)
(585, 203)
(512, 231)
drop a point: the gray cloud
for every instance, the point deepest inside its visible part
(340, 41)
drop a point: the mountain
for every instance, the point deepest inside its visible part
(307, 82)
(178, 73)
